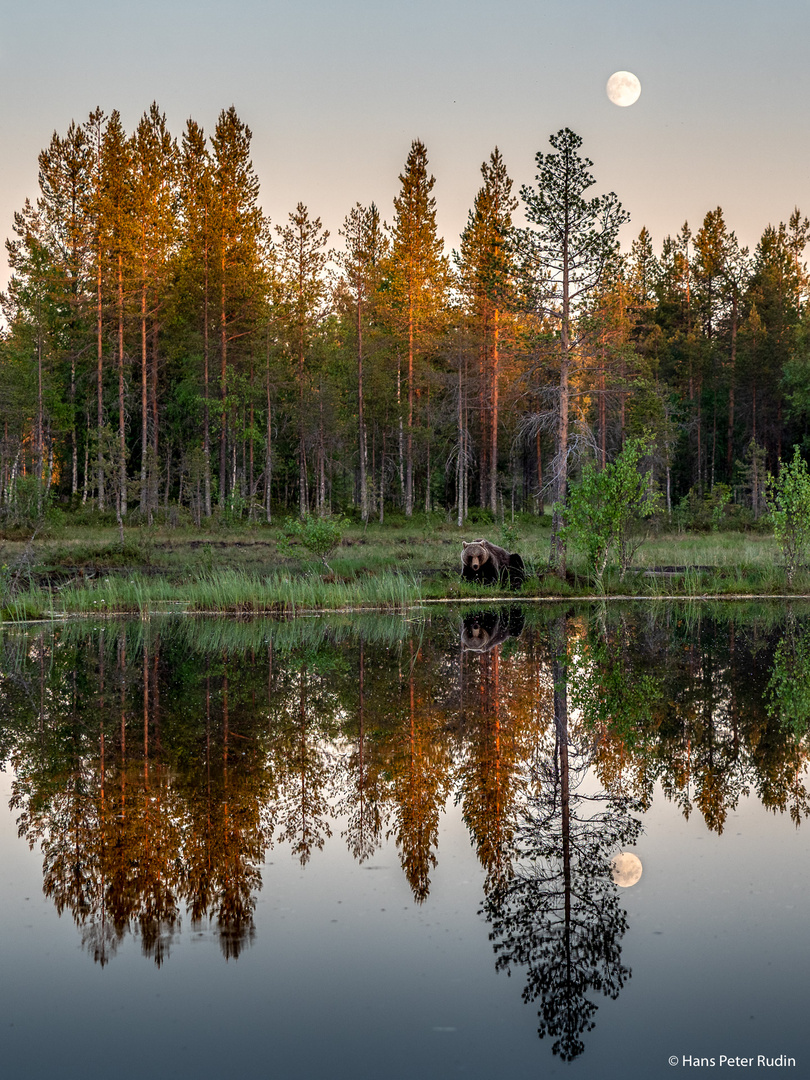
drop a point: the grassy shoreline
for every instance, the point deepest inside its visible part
(82, 570)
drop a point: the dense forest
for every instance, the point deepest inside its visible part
(166, 348)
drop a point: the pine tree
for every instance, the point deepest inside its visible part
(32, 309)
(566, 254)
(154, 165)
(418, 279)
(238, 256)
(366, 248)
(95, 129)
(302, 257)
(486, 268)
(65, 178)
(118, 232)
(197, 207)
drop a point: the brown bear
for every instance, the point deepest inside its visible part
(486, 563)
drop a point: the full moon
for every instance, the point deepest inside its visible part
(625, 869)
(623, 88)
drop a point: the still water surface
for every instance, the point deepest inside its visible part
(381, 848)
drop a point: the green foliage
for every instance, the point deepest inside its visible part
(480, 515)
(706, 513)
(605, 506)
(788, 498)
(30, 509)
(509, 536)
(609, 693)
(319, 535)
(789, 684)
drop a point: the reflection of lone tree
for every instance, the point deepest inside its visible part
(559, 915)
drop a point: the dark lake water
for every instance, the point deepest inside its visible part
(383, 847)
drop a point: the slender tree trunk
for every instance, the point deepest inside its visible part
(409, 446)
(602, 414)
(251, 486)
(144, 405)
(100, 381)
(361, 425)
(169, 477)
(558, 553)
(539, 453)
(40, 432)
(483, 415)
(732, 380)
(461, 450)
(699, 439)
(465, 423)
(493, 455)
(303, 502)
(268, 460)
(74, 448)
(754, 412)
(153, 404)
(206, 360)
(382, 481)
(321, 456)
(401, 433)
(223, 393)
(714, 435)
(122, 434)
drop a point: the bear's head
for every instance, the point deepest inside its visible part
(474, 554)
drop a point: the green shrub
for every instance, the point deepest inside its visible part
(509, 536)
(605, 508)
(319, 535)
(788, 499)
(479, 515)
(706, 513)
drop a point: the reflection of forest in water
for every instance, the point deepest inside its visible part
(156, 763)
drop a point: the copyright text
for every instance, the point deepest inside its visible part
(727, 1060)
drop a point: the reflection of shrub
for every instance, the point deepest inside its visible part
(788, 697)
(319, 535)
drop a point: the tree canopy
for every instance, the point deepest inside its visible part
(165, 349)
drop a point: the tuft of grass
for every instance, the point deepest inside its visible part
(238, 592)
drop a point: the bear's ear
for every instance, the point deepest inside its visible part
(464, 543)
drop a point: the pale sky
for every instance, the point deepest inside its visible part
(335, 92)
